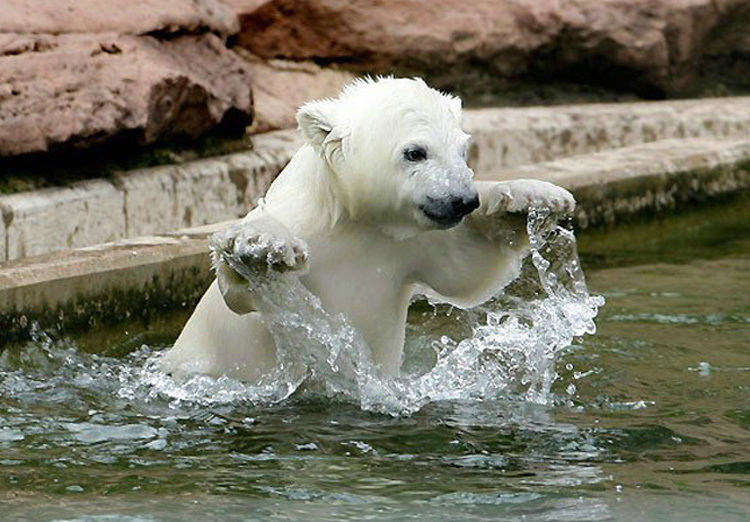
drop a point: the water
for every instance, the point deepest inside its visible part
(648, 419)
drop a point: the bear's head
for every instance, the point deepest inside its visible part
(396, 154)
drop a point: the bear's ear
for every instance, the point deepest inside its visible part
(316, 120)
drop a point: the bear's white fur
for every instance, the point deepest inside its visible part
(377, 206)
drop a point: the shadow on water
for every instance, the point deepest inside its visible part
(711, 231)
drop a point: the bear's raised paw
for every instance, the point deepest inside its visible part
(524, 195)
(259, 251)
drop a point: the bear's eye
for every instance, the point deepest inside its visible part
(415, 154)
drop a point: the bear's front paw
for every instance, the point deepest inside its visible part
(524, 195)
(259, 251)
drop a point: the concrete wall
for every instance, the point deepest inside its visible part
(143, 201)
(86, 213)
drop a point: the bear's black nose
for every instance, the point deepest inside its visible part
(462, 206)
(449, 211)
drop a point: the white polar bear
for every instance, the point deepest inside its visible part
(377, 206)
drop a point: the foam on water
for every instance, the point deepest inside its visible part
(511, 353)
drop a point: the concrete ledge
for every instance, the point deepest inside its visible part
(652, 177)
(82, 289)
(86, 213)
(519, 136)
(143, 201)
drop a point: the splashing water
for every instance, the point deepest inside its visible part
(511, 353)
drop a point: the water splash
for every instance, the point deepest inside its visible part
(511, 349)
(511, 352)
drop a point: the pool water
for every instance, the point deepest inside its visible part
(649, 418)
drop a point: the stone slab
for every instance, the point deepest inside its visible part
(648, 177)
(148, 195)
(518, 136)
(104, 258)
(143, 202)
(106, 284)
(167, 198)
(88, 212)
(609, 184)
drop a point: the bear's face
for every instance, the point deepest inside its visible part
(429, 160)
(397, 154)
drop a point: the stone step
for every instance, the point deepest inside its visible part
(143, 201)
(519, 136)
(653, 176)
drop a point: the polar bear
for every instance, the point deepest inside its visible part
(377, 206)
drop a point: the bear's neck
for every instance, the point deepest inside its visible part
(303, 196)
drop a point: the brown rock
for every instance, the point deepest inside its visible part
(280, 87)
(79, 72)
(245, 6)
(81, 89)
(120, 16)
(649, 46)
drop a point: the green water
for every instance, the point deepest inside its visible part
(651, 422)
